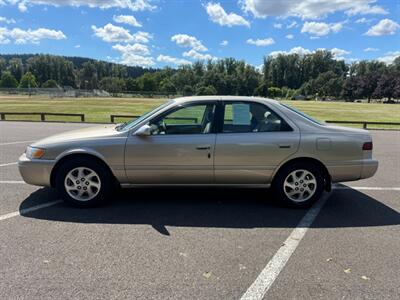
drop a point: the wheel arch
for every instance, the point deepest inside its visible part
(311, 160)
(73, 155)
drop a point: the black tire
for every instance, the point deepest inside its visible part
(106, 179)
(279, 189)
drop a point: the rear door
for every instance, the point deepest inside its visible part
(252, 141)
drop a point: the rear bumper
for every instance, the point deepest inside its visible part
(369, 168)
(35, 171)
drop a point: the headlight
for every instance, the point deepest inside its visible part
(32, 152)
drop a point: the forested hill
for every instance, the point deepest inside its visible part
(23, 61)
(317, 74)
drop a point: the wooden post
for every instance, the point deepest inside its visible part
(365, 125)
(42, 117)
(3, 117)
(112, 118)
(83, 118)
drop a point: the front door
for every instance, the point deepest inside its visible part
(253, 140)
(178, 151)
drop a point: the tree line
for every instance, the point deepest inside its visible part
(288, 76)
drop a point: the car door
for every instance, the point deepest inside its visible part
(179, 149)
(251, 142)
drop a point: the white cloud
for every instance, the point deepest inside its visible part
(188, 41)
(218, 15)
(173, 60)
(134, 5)
(131, 59)
(362, 21)
(277, 25)
(198, 56)
(142, 37)
(370, 49)
(321, 28)
(130, 20)
(136, 48)
(261, 42)
(339, 53)
(389, 57)
(309, 9)
(111, 33)
(291, 25)
(21, 36)
(7, 21)
(224, 43)
(384, 27)
(77, 46)
(289, 36)
(296, 50)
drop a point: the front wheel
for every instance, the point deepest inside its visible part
(83, 182)
(299, 184)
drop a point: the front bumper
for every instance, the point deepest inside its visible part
(369, 168)
(35, 171)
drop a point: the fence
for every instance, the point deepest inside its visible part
(41, 114)
(365, 123)
(113, 117)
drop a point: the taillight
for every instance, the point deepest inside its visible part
(367, 146)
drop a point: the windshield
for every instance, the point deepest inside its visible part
(302, 114)
(134, 122)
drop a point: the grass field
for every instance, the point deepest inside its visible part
(100, 109)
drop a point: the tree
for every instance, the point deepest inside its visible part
(28, 81)
(147, 82)
(113, 85)
(206, 90)
(50, 84)
(387, 85)
(132, 85)
(8, 80)
(274, 92)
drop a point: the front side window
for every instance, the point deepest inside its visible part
(251, 117)
(192, 119)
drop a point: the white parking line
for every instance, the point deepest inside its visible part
(27, 210)
(8, 164)
(15, 143)
(12, 182)
(366, 188)
(271, 271)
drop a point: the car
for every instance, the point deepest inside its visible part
(203, 140)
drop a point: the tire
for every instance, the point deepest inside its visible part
(84, 182)
(299, 184)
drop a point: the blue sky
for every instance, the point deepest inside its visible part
(171, 32)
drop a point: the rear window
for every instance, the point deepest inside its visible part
(303, 114)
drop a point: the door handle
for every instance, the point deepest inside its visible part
(203, 147)
(284, 146)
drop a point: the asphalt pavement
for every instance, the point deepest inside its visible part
(198, 243)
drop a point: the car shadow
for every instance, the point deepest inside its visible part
(214, 207)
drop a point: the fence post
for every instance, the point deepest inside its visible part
(42, 117)
(365, 125)
(112, 118)
(3, 117)
(83, 118)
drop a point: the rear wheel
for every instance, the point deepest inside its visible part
(299, 184)
(84, 182)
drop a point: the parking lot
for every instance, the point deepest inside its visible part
(198, 243)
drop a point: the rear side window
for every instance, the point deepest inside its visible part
(241, 117)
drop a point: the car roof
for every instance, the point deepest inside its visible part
(222, 98)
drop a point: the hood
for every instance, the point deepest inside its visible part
(94, 132)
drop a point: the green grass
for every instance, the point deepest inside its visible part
(100, 109)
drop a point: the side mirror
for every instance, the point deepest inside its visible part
(145, 130)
